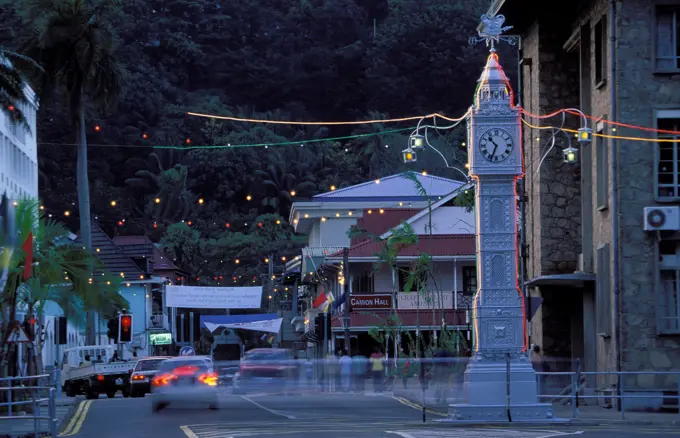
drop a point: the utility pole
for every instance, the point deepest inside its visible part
(270, 272)
(345, 277)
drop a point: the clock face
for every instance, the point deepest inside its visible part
(496, 145)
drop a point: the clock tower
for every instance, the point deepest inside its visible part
(499, 372)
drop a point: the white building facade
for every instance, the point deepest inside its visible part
(19, 152)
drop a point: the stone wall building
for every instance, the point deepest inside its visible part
(573, 57)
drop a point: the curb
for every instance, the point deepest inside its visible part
(564, 422)
(66, 418)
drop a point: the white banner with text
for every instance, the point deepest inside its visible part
(436, 300)
(204, 297)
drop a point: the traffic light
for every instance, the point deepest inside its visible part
(323, 331)
(125, 328)
(112, 326)
(61, 332)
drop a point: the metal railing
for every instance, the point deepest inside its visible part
(34, 391)
(619, 391)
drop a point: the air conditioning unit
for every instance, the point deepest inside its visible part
(662, 218)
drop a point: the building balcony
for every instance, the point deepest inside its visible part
(159, 321)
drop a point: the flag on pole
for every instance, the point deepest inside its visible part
(329, 301)
(28, 261)
(320, 301)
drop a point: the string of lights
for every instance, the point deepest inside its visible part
(329, 123)
(617, 137)
(236, 146)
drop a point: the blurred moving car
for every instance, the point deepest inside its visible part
(266, 370)
(143, 373)
(185, 379)
(226, 374)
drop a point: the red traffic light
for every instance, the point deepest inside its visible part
(125, 328)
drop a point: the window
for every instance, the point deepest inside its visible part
(403, 274)
(669, 287)
(602, 163)
(667, 48)
(363, 283)
(601, 51)
(668, 158)
(469, 280)
(603, 292)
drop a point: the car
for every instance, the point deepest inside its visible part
(185, 380)
(143, 373)
(266, 370)
(226, 375)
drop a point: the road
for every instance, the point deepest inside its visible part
(304, 416)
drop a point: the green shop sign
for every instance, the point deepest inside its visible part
(160, 338)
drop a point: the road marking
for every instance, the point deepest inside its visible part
(271, 411)
(401, 434)
(188, 432)
(72, 422)
(77, 421)
(418, 407)
(554, 433)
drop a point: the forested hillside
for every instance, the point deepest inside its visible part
(320, 60)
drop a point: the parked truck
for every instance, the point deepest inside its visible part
(98, 376)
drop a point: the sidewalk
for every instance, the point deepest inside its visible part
(25, 427)
(585, 414)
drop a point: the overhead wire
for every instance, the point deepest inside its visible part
(598, 119)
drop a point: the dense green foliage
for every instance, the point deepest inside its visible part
(271, 59)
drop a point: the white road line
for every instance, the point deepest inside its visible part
(271, 411)
(555, 433)
(188, 432)
(401, 434)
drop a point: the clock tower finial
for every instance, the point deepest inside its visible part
(493, 86)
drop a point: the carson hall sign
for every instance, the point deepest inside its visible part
(366, 302)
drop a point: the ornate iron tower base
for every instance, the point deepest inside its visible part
(486, 386)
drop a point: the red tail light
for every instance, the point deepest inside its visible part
(209, 379)
(100, 378)
(185, 371)
(164, 379)
(137, 377)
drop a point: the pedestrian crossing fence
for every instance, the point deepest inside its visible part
(29, 398)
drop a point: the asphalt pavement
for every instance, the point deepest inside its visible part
(309, 415)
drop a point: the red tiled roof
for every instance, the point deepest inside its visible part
(378, 223)
(434, 245)
(407, 318)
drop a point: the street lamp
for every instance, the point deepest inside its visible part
(417, 142)
(409, 155)
(570, 155)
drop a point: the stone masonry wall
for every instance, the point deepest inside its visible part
(553, 188)
(640, 93)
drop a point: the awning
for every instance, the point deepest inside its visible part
(267, 322)
(576, 279)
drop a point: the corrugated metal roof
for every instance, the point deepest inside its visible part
(435, 245)
(397, 187)
(111, 256)
(142, 246)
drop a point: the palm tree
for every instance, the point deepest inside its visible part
(168, 199)
(282, 180)
(61, 273)
(74, 43)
